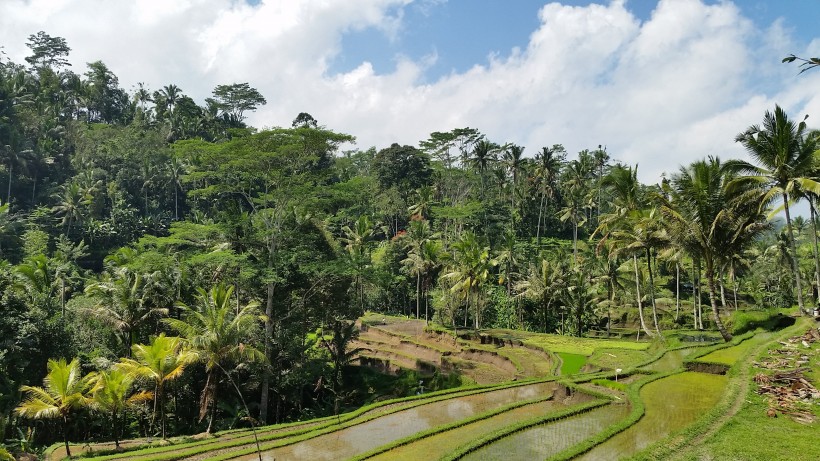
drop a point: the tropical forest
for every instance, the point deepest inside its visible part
(177, 284)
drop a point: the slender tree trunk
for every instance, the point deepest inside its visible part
(418, 294)
(710, 280)
(115, 430)
(677, 291)
(813, 212)
(793, 248)
(734, 288)
(638, 295)
(722, 291)
(176, 202)
(8, 193)
(540, 214)
(265, 387)
(652, 292)
(65, 437)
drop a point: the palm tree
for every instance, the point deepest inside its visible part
(544, 283)
(357, 239)
(112, 394)
(159, 363)
(469, 270)
(64, 390)
(642, 234)
(417, 234)
(217, 335)
(424, 200)
(549, 167)
(71, 205)
(513, 156)
(711, 217)
(125, 301)
(786, 162)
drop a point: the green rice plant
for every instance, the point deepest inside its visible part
(741, 430)
(571, 363)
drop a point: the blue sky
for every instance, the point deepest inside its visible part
(659, 82)
(462, 33)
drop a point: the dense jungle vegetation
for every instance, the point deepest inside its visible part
(159, 254)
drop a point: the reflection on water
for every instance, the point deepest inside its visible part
(541, 442)
(672, 403)
(438, 445)
(363, 437)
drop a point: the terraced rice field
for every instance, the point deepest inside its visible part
(523, 409)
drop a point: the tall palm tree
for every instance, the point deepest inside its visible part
(711, 217)
(357, 239)
(643, 234)
(159, 362)
(786, 162)
(71, 205)
(417, 235)
(513, 156)
(64, 390)
(112, 394)
(469, 270)
(548, 168)
(424, 200)
(217, 334)
(544, 284)
(125, 301)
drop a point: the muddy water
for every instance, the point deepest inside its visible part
(541, 442)
(358, 439)
(672, 403)
(670, 360)
(438, 445)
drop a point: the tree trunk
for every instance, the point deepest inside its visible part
(418, 294)
(677, 291)
(813, 212)
(652, 292)
(710, 280)
(638, 295)
(265, 387)
(540, 214)
(793, 248)
(65, 437)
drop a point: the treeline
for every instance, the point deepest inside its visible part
(139, 222)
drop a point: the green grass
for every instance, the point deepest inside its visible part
(618, 358)
(618, 386)
(728, 355)
(571, 363)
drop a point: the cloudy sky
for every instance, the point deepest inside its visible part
(659, 83)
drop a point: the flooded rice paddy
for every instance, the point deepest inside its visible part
(440, 444)
(541, 442)
(672, 403)
(352, 441)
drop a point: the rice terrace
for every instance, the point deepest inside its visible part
(194, 267)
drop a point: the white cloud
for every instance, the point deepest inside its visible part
(665, 91)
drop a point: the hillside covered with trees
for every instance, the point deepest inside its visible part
(159, 254)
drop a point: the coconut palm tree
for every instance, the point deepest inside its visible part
(159, 362)
(548, 168)
(217, 334)
(125, 301)
(469, 270)
(711, 217)
(111, 393)
(544, 284)
(785, 164)
(64, 390)
(642, 234)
